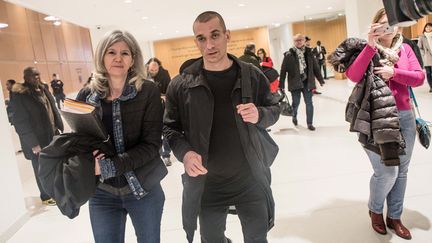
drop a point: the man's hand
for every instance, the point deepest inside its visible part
(36, 149)
(248, 112)
(193, 164)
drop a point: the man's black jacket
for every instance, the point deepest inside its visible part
(66, 170)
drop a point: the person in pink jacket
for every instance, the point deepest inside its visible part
(400, 69)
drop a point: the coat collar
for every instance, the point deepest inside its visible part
(129, 92)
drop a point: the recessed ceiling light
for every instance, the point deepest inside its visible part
(246, 27)
(177, 31)
(144, 17)
(340, 14)
(57, 23)
(307, 6)
(3, 25)
(330, 8)
(128, 1)
(51, 18)
(160, 33)
(241, 5)
(276, 24)
(310, 18)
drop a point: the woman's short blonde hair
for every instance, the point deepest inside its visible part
(136, 74)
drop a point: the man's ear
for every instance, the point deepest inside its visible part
(228, 35)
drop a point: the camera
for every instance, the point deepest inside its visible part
(405, 13)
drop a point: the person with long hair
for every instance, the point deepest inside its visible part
(131, 110)
(396, 67)
(425, 45)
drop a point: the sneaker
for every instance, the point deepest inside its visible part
(311, 127)
(49, 202)
(294, 120)
(167, 161)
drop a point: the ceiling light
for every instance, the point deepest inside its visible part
(51, 18)
(340, 14)
(330, 8)
(57, 23)
(160, 33)
(276, 24)
(307, 6)
(177, 31)
(144, 18)
(246, 27)
(241, 5)
(310, 18)
(3, 25)
(128, 1)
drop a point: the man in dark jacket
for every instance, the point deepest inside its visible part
(36, 120)
(211, 123)
(57, 88)
(302, 68)
(249, 55)
(320, 54)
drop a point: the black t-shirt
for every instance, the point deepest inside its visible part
(229, 174)
(107, 120)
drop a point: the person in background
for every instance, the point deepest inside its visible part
(399, 68)
(249, 55)
(131, 111)
(308, 42)
(320, 54)
(161, 78)
(221, 166)
(36, 120)
(57, 88)
(425, 45)
(267, 67)
(9, 105)
(302, 68)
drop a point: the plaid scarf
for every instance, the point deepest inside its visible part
(302, 61)
(389, 56)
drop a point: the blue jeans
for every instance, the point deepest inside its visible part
(389, 182)
(108, 215)
(307, 96)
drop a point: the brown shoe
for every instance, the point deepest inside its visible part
(399, 228)
(378, 223)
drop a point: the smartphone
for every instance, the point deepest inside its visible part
(385, 28)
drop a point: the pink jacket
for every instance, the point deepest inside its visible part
(407, 73)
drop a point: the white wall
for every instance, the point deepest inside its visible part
(359, 14)
(12, 207)
(280, 42)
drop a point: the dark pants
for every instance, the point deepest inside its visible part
(35, 164)
(429, 75)
(307, 96)
(108, 216)
(253, 215)
(322, 65)
(59, 100)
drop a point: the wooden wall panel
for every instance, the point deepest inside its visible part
(72, 42)
(22, 44)
(36, 35)
(60, 49)
(49, 39)
(174, 52)
(86, 44)
(330, 33)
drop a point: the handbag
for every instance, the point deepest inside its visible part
(264, 145)
(422, 126)
(285, 106)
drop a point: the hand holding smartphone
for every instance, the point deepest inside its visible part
(385, 29)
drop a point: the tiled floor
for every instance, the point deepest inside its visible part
(320, 185)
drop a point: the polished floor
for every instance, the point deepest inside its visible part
(320, 185)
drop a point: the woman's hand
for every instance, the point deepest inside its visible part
(385, 72)
(374, 33)
(98, 157)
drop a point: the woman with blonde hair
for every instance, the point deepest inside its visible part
(395, 66)
(130, 109)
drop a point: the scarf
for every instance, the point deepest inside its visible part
(302, 61)
(389, 56)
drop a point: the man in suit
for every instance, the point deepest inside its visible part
(320, 53)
